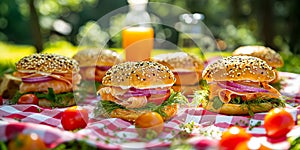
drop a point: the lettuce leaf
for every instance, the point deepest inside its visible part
(105, 107)
(56, 99)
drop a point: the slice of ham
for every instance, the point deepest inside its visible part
(116, 94)
(61, 83)
(227, 95)
(135, 102)
(58, 86)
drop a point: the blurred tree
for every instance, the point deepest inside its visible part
(294, 23)
(35, 27)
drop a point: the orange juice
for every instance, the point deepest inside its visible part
(138, 43)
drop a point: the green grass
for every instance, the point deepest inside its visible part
(11, 53)
(291, 63)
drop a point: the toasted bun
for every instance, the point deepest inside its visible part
(237, 68)
(143, 74)
(264, 53)
(47, 103)
(132, 115)
(47, 63)
(180, 61)
(236, 109)
(277, 79)
(187, 68)
(97, 57)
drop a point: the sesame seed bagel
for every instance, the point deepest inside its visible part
(186, 68)
(265, 53)
(47, 63)
(237, 68)
(143, 74)
(180, 61)
(97, 57)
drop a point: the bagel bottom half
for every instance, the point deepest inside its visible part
(239, 109)
(131, 115)
(47, 103)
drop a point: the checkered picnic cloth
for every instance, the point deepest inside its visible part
(113, 133)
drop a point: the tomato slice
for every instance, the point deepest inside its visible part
(28, 99)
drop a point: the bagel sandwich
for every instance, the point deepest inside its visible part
(187, 69)
(52, 78)
(130, 89)
(94, 63)
(239, 85)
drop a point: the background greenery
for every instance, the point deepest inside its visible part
(28, 26)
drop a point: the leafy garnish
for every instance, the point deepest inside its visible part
(16, 97)
(203, 84)
(200, 96)
(175, 98)
(105, 107)
(75, 144)
(217, 103)
(257, 124)
(294, 143)
(278, 84)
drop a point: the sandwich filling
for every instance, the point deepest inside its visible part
(110, 105)
(134, 97)
(243, 93)
(55, 87)
(40, 83)
(248, 91)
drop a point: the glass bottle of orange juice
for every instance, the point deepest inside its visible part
(137, 35)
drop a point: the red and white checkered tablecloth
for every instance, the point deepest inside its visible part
(112, 133)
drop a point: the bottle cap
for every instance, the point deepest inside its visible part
(133, 2)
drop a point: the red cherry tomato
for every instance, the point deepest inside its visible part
(278, 122)
(74, 118)
(232, 137)
(29, 141)
(149, 125)
(28, 99)
(249, 145)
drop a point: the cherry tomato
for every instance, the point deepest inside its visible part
(278, 122)
(28, 99)
(249, 145)
(27, 142)
(149, 125)
(74, 118)
(232, 137)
